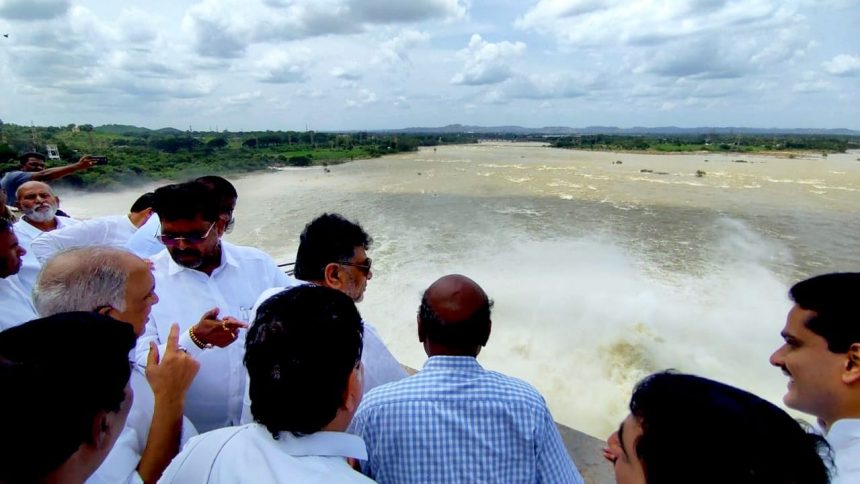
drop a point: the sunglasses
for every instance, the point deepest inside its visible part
(171, 240)
(365, 268)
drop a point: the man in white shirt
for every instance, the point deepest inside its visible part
(17, 307)
(304, 361)
(112, 231)
(821, 357)
(198, 274)
(39, 206)
(333, 253)
(119, 284)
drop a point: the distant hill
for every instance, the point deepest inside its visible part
(637, 130)
(133, 130)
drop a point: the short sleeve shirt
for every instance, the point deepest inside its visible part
(11, 181)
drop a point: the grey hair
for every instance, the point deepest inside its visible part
(82, 279)
(18, 190)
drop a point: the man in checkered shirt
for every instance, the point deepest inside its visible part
(455, 421)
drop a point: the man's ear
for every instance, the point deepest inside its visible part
(421, 335)
(100, 431)
(105, 310)
(354, 389)
(489, 330)
(332, 275)
(851, 374)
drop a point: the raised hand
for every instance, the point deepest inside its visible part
(217, 332)
(170, 375)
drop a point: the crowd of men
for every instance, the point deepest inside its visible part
(241, 373)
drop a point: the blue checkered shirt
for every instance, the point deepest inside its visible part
(457, 422)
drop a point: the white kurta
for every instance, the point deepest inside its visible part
(380, 366)
(113, 231)
(215, 397)
(250, 454)
(844, 439)
(31, 266)
(17, 308)
(120, 466)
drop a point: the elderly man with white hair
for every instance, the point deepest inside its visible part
(38, 205)
(119, 284)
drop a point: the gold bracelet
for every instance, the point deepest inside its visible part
(196, 340)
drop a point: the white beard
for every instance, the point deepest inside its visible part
(41, 216)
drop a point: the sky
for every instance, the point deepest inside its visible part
(383, 64)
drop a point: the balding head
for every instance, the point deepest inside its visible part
(104, 279)
(454, 317)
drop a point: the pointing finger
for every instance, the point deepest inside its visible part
(173, 338)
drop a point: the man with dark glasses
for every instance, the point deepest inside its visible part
(333, 253)
(201, 274)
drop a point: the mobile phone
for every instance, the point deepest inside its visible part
(100, 160)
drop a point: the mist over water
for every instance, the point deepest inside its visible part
(601, 273)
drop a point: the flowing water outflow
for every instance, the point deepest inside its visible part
(601, 272)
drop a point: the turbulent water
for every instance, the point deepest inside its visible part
(604, 267)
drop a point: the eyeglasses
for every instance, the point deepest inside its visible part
(365, 268)
(189, 239)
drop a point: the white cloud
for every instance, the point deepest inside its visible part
(396, 50)
(843, 65)
(486, 62)
(281, 67)
(363, 98)
(347, 73)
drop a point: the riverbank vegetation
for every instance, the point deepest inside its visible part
(137, 155)
(710, 143)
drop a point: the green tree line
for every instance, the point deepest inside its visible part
(138, 155)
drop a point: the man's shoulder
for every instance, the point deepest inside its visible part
(14, 176)
(431, 385)
(245, 252)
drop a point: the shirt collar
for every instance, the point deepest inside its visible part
(843, 432)
(466, 363)
(322, 443)
(227, 257)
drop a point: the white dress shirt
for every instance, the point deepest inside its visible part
(844, 439)
(17, 308)
(215, 397)
(380, 366)
(250, 454)
(121, 463)
(30, 265)
(144, 243)
(113, 231)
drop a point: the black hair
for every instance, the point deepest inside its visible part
(57, 374)
(300, 352)
(147, 200)
(326, 239)
(833, 297)
(5, 225)
(703, 431)
(223, 188)
(186, 201)
(468, 333)
(24, 157)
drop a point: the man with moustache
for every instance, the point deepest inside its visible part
(33, 169)
(119, 284)
(333, 253)
(454, 421)
(38, 205)
(199, 273)
(17, 307)
(821, 357)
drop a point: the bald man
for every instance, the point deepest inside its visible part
(38, 205)
(454, 421)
